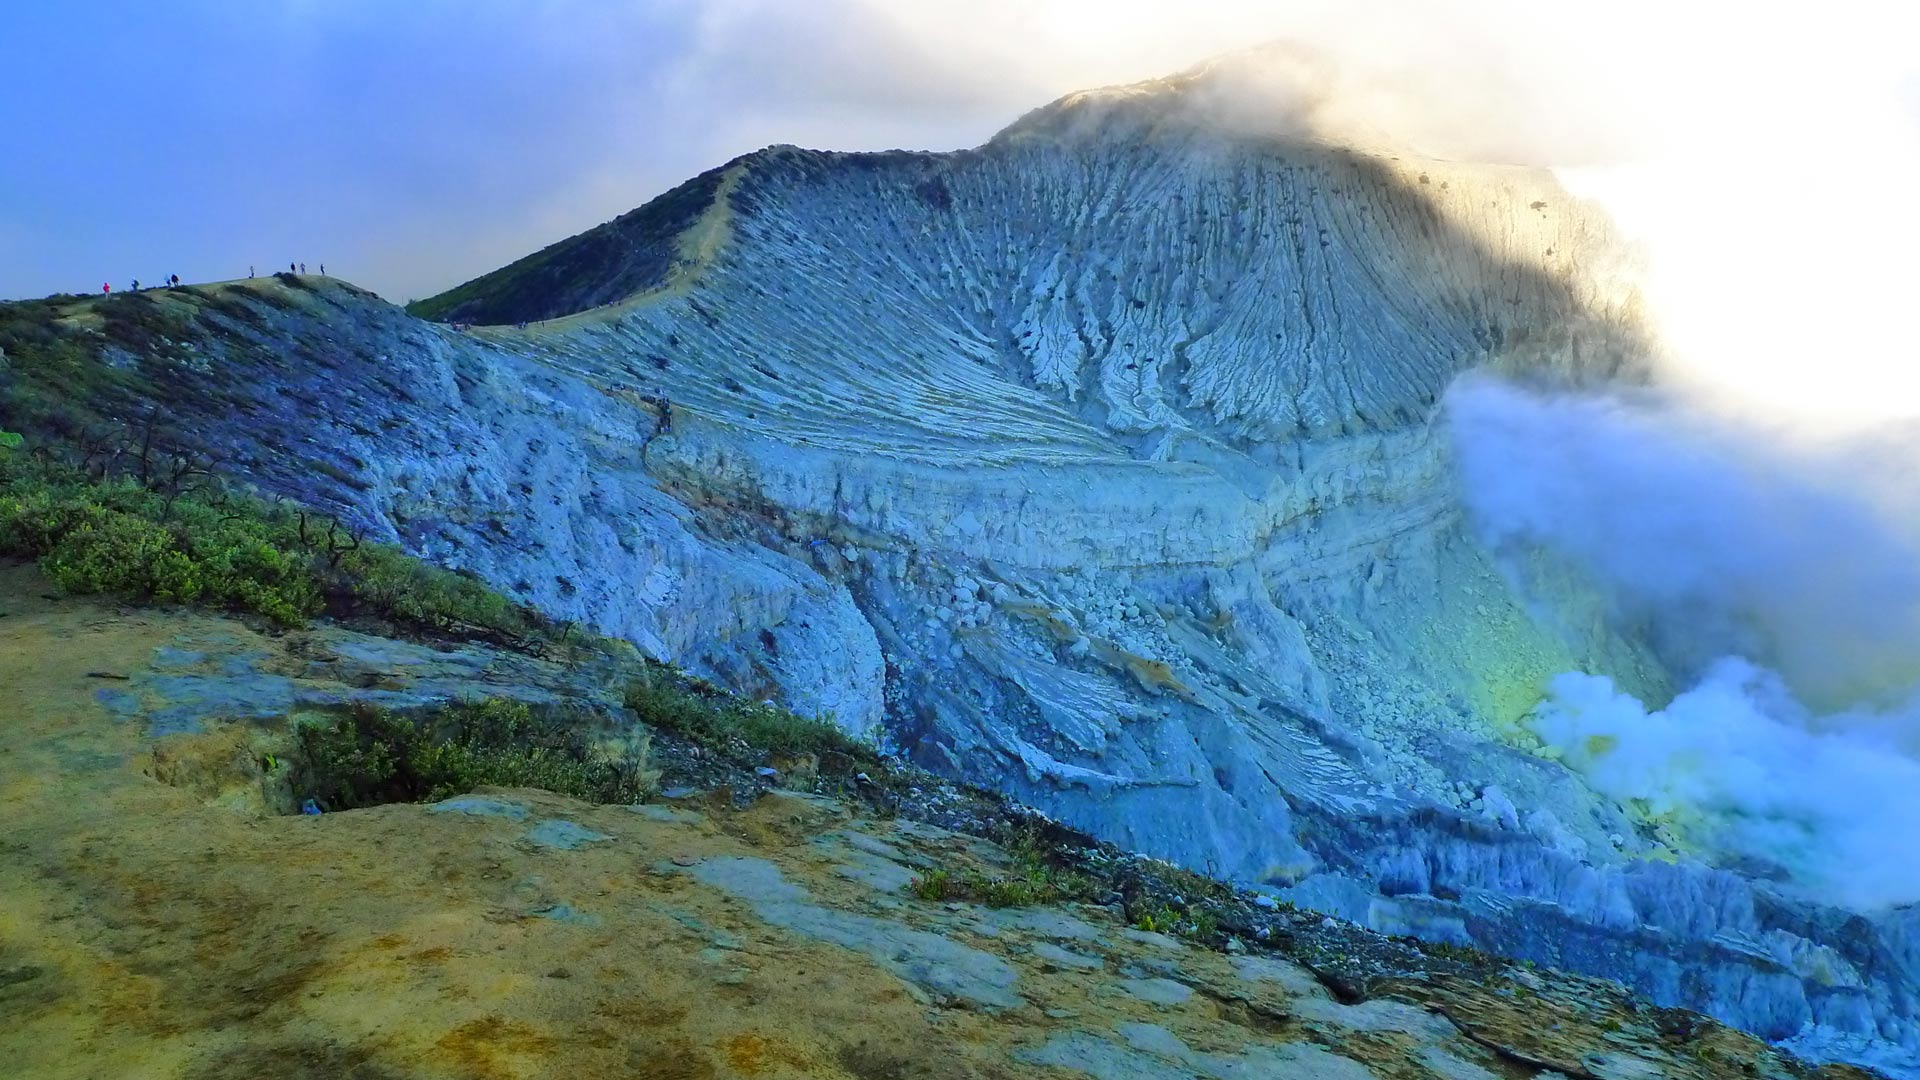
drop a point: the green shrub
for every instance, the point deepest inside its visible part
(1025, 887)
(1032, 880)
(668, 699)
(400, 587)
(119, 538)
(1194, 923)
(370, 757)
(214, 548)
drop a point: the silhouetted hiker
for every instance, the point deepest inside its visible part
(249, 271)
(176, 280)
(136, 284)
(303, 268)
(293, 268)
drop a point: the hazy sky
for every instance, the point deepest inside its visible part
(412, 145)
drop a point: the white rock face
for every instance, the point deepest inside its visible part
(1098, 465)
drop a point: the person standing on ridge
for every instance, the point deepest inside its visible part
(176, 281)
(136, 284)
(293, 268)
(105, 288)
(323, 269)
(303, 268)
(249, 271)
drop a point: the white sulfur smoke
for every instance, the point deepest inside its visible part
(1778, 574)
(1740, 766)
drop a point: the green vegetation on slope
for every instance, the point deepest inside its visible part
(53, 380)
(99, 372)
(1033, 879)
(175, 540)
(667, 698)
(370, 757)
(114, 506)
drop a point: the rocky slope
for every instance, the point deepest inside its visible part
(1099, 465)
(158, 919)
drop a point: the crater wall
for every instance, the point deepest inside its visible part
(1101, 465)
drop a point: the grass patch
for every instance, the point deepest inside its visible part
(228, 303)
(1193, 923)
(144, 325)
(1032, 880)
(53, 383)
(370, 757)
(1023, 888)
(667, 698)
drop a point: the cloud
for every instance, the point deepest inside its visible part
(1717, 535)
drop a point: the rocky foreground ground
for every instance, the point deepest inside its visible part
(163, 915)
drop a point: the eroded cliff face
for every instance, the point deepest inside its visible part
(1101, 465)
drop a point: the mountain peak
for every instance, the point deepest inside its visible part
(1279, 91)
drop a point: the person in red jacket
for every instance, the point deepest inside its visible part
(105, 288)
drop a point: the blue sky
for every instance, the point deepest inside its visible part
(393, 141)
(409, 145)
(412, 144)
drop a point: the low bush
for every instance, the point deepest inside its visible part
(669, 699)
(1032, 880)
(370, 757)
(120, 538)
(1023, 888)
(1194, 923)
(388, 582)
(208, 546)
